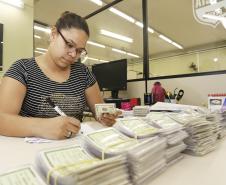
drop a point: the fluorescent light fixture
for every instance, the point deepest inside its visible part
(133, 55)
(39, 52)
(104, 61)
(96, 44)
(16, 3)
(47, 30)
(98, 2)
(165, 38)
(38, 37)
(116, 36)
(215, 59)
(118, 50)
(41, 49)
(140, 24)
(90, 58)
(123, 15)
(150, 30)
(170, 41)
(177, 45)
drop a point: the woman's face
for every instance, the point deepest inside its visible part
(67, 45)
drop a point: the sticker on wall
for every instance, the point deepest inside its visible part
(210, 12)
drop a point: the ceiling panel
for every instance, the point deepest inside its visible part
(172, 18)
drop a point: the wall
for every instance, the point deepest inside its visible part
(18, 32)
(196, 88)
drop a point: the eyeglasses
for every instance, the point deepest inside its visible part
(71, 47)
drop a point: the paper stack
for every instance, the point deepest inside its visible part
(202, 133)
(108, 142)
(71, 165)
(146, 160)
(141, 110)
(22, 175)
(173, 132)
(165, 124)
(135, 127)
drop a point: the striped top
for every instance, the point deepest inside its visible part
(69, 96)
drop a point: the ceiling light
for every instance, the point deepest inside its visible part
(116, 36)
(96, 44)
(42, 49)
(39, 28)
(140, 24)
(118, 50)
(150, 30)
(38, 37)
(2, 42)
(16, 3)
(215, 59)
(39, 52)
(177, 45)
(98, 2)
(123, 15)
(90, 58)
(133, 55)
(104, 61)
(165, 38)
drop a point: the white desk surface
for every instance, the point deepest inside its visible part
(207, 170)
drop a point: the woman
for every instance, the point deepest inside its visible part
(31, 86)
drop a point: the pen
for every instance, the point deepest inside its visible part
(56, 108)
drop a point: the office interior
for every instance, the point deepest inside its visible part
(175, 49)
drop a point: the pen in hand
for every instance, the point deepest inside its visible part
(56, 108)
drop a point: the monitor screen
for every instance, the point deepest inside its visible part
(111, 76)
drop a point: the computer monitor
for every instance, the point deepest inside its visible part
(111, 76)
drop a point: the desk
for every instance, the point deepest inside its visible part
(206, 170)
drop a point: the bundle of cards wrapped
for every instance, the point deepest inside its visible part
(71, 165)
(105, 108)
(147, 160)
(21, 175)
(141, 110)
(135, 127)
(108, 142)
(164, 122)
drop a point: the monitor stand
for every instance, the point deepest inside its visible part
(114, 94)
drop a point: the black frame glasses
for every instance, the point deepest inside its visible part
(70, 46)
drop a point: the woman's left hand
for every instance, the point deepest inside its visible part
(108, 119)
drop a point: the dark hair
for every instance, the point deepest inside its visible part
(157, 83)
(71, 20)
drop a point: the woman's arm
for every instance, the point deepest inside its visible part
(12, 94)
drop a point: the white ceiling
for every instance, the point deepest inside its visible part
(172, 18)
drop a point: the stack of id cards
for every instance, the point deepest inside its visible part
(104, 108)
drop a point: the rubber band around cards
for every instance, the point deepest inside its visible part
(115, 144)
(57, 168)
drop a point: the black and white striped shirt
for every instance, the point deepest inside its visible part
(69, 96)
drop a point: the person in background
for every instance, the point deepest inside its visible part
(31, 87)
(158, 93)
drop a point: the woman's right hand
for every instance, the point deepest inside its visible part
(57, 127)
